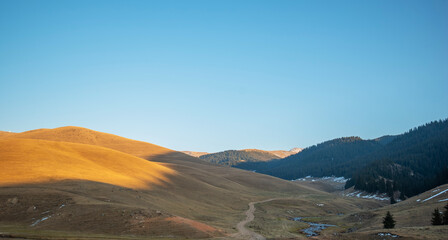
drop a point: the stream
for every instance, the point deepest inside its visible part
(314, 228)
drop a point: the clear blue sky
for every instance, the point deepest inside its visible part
(217, 75)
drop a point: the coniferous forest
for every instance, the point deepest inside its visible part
(413, 163)
(406, 164)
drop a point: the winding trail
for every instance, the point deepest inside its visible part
(245, 233)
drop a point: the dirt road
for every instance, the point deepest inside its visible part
(245, 233)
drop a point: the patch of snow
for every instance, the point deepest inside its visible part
(358, 194)
(433, 196)
(40, 220)
(387, 234)
(336, 179)
(418, 200)
(63, 205)
(320, 204)
(298, 179)
(436, 190)
(340, 179)
(326, 178)
(443, 200)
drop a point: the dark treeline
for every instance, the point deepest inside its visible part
(413, 163)
(410, 163)
(324, 159)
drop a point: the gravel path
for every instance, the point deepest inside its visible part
(245, 233)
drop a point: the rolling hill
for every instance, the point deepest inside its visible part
(91, 137)
(41, 161)
(67, 179)
(234, 157)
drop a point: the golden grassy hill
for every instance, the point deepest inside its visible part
(95, 177)
(4, 134)
(91, 137)
(38, 161)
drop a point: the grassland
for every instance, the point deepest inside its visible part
(75, 183)
(79, 178)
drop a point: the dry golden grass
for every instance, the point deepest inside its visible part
(38, 161)
(91, 137)
(195, 154)
(4, 134)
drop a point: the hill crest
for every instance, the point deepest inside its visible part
(39, 161)
(87, 136)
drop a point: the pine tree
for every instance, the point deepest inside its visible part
(436, 217)
(445, 215)
(392, 200)
(389, 221)
(402, 196)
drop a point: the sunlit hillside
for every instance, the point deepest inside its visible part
(87, 136)
(39, 161)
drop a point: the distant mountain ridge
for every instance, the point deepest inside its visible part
(195, 154)
(233, 157)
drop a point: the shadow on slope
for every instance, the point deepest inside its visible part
(73, 207)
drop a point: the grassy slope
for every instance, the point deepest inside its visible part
(38, 161)
(4, 134)
(91, 137)
(197, 190)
